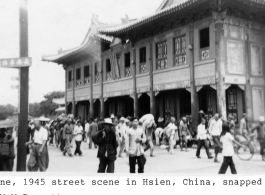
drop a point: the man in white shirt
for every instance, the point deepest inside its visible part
(215, 130)
(78, 133)
(38, 156)
(86, 131)
(202, 139)
(136, 137)
(122, 135)
(170, 136)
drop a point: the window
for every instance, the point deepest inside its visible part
(78, 74)
(70, 76)
(127, 60)
(180, 50)
(78, 77)
(108, 70)
(96, 72)
(204, 38)
(205, 43)
(161, 55)
(143, 55)
(86, 75)
(108, 66)
(86, 71)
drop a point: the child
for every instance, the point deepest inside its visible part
(228, 149)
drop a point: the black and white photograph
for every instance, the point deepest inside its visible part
(132, 87)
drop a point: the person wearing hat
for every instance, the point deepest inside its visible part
(38, 159)
(107, 146)
(260, 128)
(136, 138)
(67, 136)
(112, 117)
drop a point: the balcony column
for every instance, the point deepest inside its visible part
(73, 100)
(152, 97)
(220, 61)
(135, 96)
(248, 98)
(91, 107)
(65, 94)
(194, 95)
(102, 108)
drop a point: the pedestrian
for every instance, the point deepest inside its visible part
(243, 126)
(78, 133)
(169, 136)
(93, 128)
(8, 160)
(107, 146)
(227, 141)
(184, 131)
(67, 136)
(86, 130)
(51, 134)
(215, 130)
(136, 138)
(122, 135)
(61, 133)
(260, 128)
(202, 139)
(38, 156)
(158, 134)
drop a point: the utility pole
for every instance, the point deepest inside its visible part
(24, 87)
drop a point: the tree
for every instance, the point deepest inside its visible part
(34, 109)
(6, 110)
(47, 107)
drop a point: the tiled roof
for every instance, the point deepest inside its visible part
(177, 6)
(167, 7)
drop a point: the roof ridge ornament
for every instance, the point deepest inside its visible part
(125, 20)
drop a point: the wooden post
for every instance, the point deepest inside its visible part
(65, 94)
(73, 100)
(91, 108)
(24, 88)
(220, 62)
(194, 95)
(248, 98)
(152, 98)
(135, 96)
(102, 109)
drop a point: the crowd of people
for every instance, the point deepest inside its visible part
(133, 137)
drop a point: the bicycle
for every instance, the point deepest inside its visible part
(250, 148)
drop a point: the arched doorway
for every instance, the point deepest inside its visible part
(144, 104)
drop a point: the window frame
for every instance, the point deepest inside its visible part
(183, 51)
(163, 58)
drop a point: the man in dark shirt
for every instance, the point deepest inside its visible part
(93, 128)
(107, 151)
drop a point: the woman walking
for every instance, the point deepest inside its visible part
(228, 150)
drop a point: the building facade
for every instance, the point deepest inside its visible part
(190, 55)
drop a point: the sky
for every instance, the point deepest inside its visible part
(55, 25)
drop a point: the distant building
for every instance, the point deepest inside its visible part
(189, 55)
(61, 103)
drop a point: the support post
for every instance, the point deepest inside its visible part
(24, 88)
(102, 109)
(65, 95)
(220, 62)
(135, 105)
(152, 97)
(91, 108)
(194, 95)
(73, 101)
(248, 98)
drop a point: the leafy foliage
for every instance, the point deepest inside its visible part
(6, 110)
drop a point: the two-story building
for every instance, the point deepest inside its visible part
(189, 55)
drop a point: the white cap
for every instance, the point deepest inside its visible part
(122, 119)
(112, 116)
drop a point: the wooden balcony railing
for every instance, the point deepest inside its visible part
(109, 76)
(78, 83)
(86, 81)
(143, 68)
(205, 53)
(127, 72)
